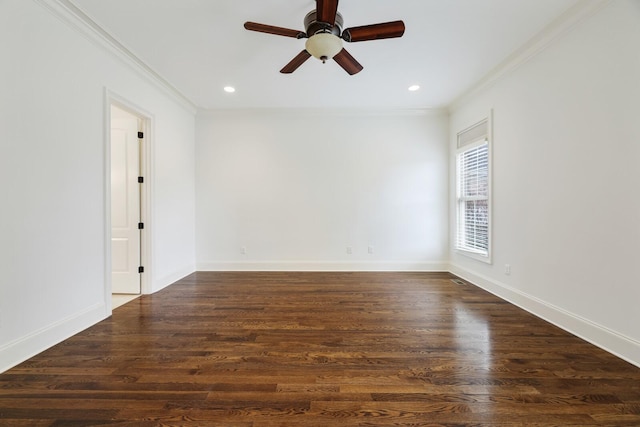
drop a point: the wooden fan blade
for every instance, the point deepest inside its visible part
(270, 29)
(385, 30)
(348, 62)
(326, 11)
(296, 62)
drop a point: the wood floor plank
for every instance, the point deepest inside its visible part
(321, 349)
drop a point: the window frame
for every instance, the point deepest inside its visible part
(461, 148)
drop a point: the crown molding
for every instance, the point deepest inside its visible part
(582, 10)
(79, 21)
(325, 112)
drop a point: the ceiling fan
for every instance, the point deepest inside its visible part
(323, 29)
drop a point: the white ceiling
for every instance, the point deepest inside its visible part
(200, 46)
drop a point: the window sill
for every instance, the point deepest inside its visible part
(478, 256)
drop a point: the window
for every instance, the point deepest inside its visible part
(473, 191)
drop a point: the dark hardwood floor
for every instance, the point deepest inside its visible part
(321, 349)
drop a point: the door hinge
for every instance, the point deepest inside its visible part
(140, 135)
(141, 179)
(141, 269)
(141, 226)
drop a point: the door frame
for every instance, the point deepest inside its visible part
(146, 194)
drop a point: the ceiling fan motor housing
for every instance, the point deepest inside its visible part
(313, 26)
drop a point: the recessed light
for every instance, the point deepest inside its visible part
(229, 89)
(414, 88)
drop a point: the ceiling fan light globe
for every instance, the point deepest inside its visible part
(324, 46)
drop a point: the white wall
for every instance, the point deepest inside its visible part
(52, 178)
(173, 211)
(297, 188)
(566, 207)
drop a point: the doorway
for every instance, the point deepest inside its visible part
(127, 153)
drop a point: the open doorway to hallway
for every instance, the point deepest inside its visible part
(127, 154)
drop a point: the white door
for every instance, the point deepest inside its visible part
(125, 202)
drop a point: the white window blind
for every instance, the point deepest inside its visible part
(477, 132)
(473, 221)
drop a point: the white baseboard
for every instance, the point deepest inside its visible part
(23, 348)
(323, 266)
(170, 279)
(611, 341)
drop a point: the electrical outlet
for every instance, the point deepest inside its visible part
(370, 249)
(507, 269)
(349, 250)
(243, 250)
